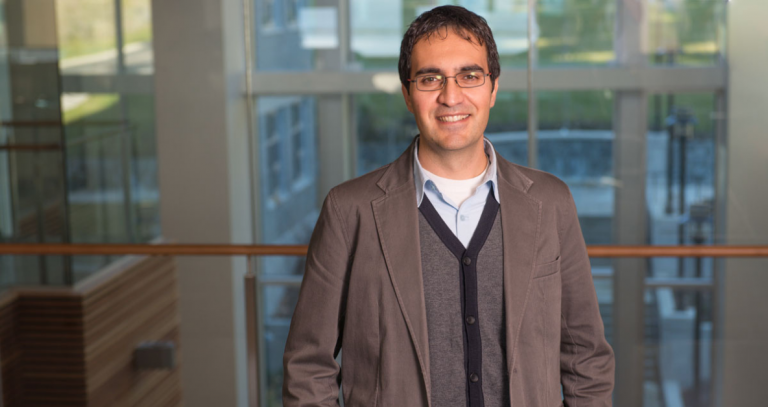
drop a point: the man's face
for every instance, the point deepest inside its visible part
(452, 118)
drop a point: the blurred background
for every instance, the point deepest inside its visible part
(227, 122)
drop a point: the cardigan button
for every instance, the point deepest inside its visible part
(470, 320)
(467, 261)
(473, 378)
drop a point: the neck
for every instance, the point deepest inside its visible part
(459, 164)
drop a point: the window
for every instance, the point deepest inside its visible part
(298, 144)
(273, 147)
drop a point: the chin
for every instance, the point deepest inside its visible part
(456, 142)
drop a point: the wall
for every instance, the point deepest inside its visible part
(744, 312)
(74, 347)
(203, 174)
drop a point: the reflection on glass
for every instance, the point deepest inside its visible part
(288, 175)
(138, 53)
(575, 143)
(575, 32)
(377, 28)
(385, 127)
(680, 180)
(295, 35)
(111, 171)
(278, 305)
(678, 346)
(685, 32)
(33, 212)
(681, 162)
(89, 41)
(680, 196)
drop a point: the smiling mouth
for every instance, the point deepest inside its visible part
(454, 118)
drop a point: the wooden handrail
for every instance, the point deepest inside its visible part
(301, 250)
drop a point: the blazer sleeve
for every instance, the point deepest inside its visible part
(586, 358)
(311, 375)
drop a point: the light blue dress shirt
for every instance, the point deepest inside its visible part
(462, 220)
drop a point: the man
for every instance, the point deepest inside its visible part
(450, 277)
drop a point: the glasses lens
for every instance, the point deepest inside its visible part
(470, 79)
(430, 82)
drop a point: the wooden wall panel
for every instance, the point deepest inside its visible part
(50, 332)
(10, 354)
(128, 309)
(74, 346)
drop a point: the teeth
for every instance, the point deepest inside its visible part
(452, 118)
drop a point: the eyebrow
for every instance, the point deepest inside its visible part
(431, 69)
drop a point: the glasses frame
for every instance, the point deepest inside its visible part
(445, 80)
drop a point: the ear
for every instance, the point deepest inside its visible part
(495, 90)
(407, 97)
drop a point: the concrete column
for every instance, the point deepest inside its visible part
(205, 185)
(630, 214)
(743, 315)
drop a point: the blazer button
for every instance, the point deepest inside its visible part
(473, 378)
(467, 261)
(470, 320)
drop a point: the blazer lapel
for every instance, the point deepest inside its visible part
(520, 220)
(397, 223)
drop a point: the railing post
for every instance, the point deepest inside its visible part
(252, 349)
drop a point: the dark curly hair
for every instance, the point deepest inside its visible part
(464, 23)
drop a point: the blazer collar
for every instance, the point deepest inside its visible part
(401, 172)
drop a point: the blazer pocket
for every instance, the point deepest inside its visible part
(547, 269)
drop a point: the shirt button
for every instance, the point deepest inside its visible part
(473, 378)
(462, 217)
(470, 320)
(467, 261)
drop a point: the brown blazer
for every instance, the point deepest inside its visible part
(362, 292)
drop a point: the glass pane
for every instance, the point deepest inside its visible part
(680, 180)
(385, 127)
(111, 171)
(575, 143)
(87, 37)
(287, 163)
(95, 167)
(296, 35)
(686, 32)
(575, 32)
(137, 37)
(507, 126)
(680, 195)
(678, 347)
(278, 305)
(377, 29)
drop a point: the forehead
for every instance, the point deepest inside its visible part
(448, 51)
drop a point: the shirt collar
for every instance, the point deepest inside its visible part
(421, 178)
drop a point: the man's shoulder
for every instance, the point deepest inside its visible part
(538, 184)
(359, 190)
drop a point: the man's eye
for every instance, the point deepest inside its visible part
(430, 79)
(471, 76)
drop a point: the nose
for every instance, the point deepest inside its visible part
(451, 94)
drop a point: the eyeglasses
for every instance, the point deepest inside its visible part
(465, 79)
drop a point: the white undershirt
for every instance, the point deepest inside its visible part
(456, 190)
